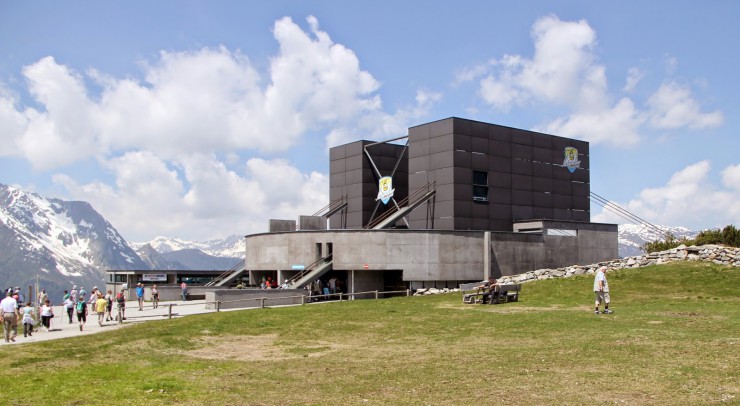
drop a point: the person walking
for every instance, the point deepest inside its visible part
(121, 305)
(155, 296)
(47, 312)
(184, 288)
(69, 306)
(140, 295)
(601, 290)
(81, 308)
(28, 322)
(100, 306)
(9, 308)
(109, 307)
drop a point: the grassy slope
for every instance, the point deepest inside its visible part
(674, 339)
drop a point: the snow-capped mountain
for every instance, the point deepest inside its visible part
(632, 237)
(231, 247)
(61, 242)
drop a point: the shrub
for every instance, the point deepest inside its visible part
(729, 236)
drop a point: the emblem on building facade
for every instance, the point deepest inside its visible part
(385, 189)
(571, 159)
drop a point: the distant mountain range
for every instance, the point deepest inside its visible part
(63, 243)
(66, 243)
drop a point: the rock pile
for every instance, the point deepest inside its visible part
(718, 254)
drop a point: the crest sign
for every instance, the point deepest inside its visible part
(385, 189)
(571, 159)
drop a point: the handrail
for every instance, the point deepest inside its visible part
(419, 193)
(238, 267)
(305, 271)
(331, 204)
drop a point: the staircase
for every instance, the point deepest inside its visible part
(229, 276)
(310, 274)
(403, 207)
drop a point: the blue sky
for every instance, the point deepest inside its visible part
(203, 119)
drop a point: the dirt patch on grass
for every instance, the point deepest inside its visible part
(255, 348)
(508, 309)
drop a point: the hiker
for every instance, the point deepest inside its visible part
(121, 305)
(47, 312)
(69, 305)
(28, 322)
(100, 306)
(140, 295)
(10, 316)
(601, 290)
(109, 307)
(155, 296)
(81, 308)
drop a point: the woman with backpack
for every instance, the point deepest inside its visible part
(81, 308)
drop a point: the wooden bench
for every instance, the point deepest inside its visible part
(501, 294)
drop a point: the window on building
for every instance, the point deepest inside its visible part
(480, 186)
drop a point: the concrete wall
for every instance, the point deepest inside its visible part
(312, 222)
(246, 298)
(433, 255)
(277, 226)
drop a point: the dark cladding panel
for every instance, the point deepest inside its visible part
(354, 162)
(521, 167)
(441, 209)
(419, 148)
(337, 179)
(521, 137)
(479, 162)
(543, 212)
(500, 133)
(441, 160)
(521, 198)
(499, 180)
(500, 211)
(443, 143)
(480, 223)
(542, 199)
(479, 145)
(462, 126)
(541, 170)
(462, 159)
(581, 203)
(420, 132)
(562, 201)
(464, 191)
(336, 153)
(337, 166)
(442, 176)
(562, 214)
(479, 129)
(500, 164)
(441, 127)
(499, 148)
(580, 189)
(499, 195)
(522, 212)
(541, 154)
(444, 223)
(521, 182)
(542, 140)
(419, 164)
(462, 223)
(541, 184)
(462, 142)
(445, 192)
(501, 225)
(463, 208)
(521, 151)
(480, 210)
(579, 215)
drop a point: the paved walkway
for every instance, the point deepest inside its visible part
(60, 327)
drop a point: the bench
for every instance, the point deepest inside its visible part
(501, 294)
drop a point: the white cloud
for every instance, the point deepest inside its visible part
(672, 106)
(634, 76)
(198, 197)
(564, 73)
(690, 198)
(202, 101)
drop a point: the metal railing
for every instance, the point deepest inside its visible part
(339, 297)
(305, 271)
(238, 267)
(418, 195)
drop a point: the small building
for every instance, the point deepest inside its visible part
(167, 281)
(458, 201)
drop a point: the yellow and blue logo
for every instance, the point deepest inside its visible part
(571, 159)
(385, 189)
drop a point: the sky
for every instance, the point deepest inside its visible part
(204, 119)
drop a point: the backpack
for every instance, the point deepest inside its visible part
(80, 307)
(120, 298)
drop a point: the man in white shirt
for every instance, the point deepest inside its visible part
(10, 317)
(601, 290)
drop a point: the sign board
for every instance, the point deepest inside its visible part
(154, 277)
(571, 159)
(385, 189)
(297, 267)
(366, 266)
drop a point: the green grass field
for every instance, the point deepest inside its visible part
(674, 339)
